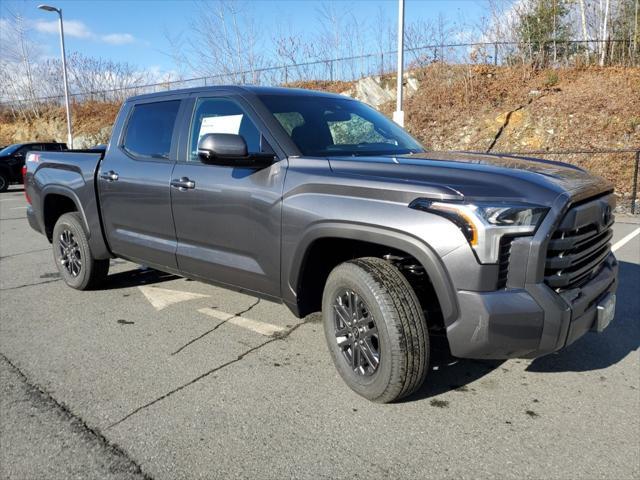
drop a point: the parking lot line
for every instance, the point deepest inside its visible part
(624, 240)
(263, 328)
(161, 298)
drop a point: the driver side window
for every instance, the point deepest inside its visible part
(221, 115)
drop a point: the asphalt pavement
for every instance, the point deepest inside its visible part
(159, 377)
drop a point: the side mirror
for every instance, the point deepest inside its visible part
(231, 150)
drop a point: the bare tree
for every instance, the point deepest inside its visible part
(585, 34)
(605, 23)
(296, 54)
(104, 80)
(223, 43)
(18, 54)
(341, 35)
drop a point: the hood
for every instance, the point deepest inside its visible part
(478, 176)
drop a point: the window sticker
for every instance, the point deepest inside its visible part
(220, 124)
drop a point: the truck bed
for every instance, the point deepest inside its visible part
(70, 174)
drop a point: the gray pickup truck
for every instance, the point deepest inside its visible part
(319, 201)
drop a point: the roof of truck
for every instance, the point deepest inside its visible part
(239, 89)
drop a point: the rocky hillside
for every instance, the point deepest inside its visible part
(481, 108)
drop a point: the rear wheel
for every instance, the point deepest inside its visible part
(4, 182)
(73, 257)
(375, 329)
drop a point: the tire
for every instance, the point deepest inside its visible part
(4, 183)
(387, 308)
(73, 256)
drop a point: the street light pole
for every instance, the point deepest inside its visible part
(398, 115)
(64, 70)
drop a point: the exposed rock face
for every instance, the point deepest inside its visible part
(378, 90)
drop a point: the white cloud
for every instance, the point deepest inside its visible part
(72, 28)
(118, 38)
(77, 29)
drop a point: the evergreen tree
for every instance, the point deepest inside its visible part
(543, 31)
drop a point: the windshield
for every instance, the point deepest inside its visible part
(325, 126)
(10, 149)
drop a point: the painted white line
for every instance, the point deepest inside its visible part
(219, 314)
(263, 328)
(18, 208)
(162, 297)
(624, 240)
(17, 199)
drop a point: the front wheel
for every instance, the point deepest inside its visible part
(72, 255)
(375, 329)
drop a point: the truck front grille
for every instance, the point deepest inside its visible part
(579, 246)
(503, 261)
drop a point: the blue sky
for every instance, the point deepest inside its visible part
(134, 31)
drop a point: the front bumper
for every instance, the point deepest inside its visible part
(527, 322)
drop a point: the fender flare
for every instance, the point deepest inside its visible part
(65, 192)
(414, 246)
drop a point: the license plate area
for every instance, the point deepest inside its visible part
(605, 312)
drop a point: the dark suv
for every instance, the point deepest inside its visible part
(12, 160)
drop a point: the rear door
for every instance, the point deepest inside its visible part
(228, 224)
(134, 184)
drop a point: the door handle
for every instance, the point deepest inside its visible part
(183, 184)
(109, 176)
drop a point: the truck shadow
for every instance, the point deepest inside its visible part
(591, 352)
(598, 351)
(448, 373)
(135, 278)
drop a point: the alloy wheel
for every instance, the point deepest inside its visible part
(70, 256)
(356, 333)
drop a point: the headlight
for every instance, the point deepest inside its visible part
(484, 224)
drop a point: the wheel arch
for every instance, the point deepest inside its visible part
(373, 236)
(5, 171)
(56, 201)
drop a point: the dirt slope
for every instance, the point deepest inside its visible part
(498, 109)
(463, 108)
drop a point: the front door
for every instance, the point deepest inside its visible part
(134, 185)
(228, 223)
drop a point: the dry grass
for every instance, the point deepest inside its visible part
(461, 108)
(92, 122)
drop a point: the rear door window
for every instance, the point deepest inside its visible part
(150, 129)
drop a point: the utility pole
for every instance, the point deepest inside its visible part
(398, 115)
(49, 8)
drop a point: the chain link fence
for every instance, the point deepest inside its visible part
(551, 53)
(612, 164)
